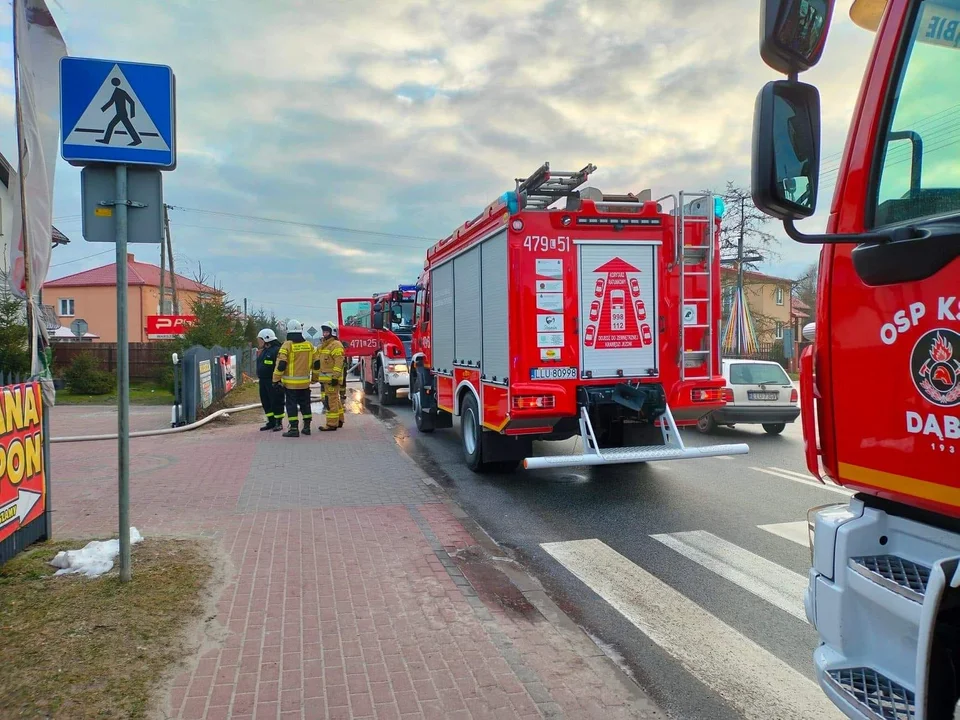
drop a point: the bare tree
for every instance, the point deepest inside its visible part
(742, 218)
(805, 288)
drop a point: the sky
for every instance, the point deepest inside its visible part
(403, 119)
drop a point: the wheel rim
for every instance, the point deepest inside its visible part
(704, 422)
(469, 432)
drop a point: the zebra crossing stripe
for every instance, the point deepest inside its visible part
(757, 575)
(802, 479)
(794, 531)
(751, 680)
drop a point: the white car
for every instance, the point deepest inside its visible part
(757, 392)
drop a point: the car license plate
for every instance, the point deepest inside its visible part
(763, 395)
(553, 373)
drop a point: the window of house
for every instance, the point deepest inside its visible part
(66, 307)
(779, 331)
(779, 294)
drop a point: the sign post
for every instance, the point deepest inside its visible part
(118, 114)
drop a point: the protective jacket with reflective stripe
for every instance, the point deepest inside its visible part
(267, 361)
(329, 360)
(296, 359)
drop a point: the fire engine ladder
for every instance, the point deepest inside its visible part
(545, 187)
(695, 255)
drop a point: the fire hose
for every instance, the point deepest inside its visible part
(170, 431)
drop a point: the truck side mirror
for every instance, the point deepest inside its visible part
(793, 33)
(378, 319)
(786, 150)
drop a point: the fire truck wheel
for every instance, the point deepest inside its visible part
(423, 425)
(470, 430)
(774, 428)
(385, 394)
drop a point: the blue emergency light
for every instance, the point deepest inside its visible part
(718, 206)
(407, 288)
(512, 201)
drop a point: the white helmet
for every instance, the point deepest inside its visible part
(332, 326)
(267, 335)
(294, 326)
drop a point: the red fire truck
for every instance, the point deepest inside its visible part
(558, 312)
(379, 330)
(880, 389)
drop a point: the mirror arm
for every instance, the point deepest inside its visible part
(824, 239)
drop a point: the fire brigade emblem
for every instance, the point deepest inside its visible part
(935, 367)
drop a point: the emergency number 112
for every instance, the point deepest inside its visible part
(543, 243)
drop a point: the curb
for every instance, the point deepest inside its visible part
(534, 592)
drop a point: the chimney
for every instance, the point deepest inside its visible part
(130, 258)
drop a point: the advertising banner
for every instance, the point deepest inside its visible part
(22, 480)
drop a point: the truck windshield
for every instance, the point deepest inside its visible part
(402, 315)
(920, 172)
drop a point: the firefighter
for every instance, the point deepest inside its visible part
(343, 378)
(293, 372)
(271, 396)
(328, 370)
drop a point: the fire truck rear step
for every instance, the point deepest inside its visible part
(672, 449)
(872, 693)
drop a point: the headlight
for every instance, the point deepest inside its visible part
(397, 368)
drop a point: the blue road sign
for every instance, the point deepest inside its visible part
(117, 112)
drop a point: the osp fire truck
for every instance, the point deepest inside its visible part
(559, 312)
(379, 330)
(880, 388)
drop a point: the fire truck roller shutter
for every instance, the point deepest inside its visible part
(493, 261)
(441, 317)
(466, 307)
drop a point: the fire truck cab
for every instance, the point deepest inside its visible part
(379, 330)
(880, 388)
(558, 312)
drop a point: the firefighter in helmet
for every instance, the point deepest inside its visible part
(328, 370)
(271, 396)
(343, 378)
(293, 372)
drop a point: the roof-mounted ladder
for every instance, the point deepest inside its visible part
(695, 255)
(544, 186)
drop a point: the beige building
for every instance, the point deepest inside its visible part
(767, 296)
(91, 295)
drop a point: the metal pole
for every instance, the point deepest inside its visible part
(740, 294)
(163, 264)
(123, 376)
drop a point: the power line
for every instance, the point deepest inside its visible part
(289, 235)
(336, 228)
(85, 257)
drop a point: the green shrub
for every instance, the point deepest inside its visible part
(84, 377)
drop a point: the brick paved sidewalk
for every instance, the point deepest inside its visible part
(354, 589)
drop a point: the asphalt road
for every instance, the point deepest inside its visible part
(666, 564)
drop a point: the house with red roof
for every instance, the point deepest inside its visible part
(767, 296)
(91, 295)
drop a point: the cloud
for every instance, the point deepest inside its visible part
(409, 116)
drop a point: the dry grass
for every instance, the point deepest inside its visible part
(95, 648)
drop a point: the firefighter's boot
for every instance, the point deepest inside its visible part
(293, 431)
(306, 427)
(279, 426)
(271, 424)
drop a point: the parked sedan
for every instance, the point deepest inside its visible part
(757, 392)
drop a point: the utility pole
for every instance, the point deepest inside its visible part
(173, 273)
(163, 263)
(244, 308)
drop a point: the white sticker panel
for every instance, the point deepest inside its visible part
(549, 323)
(550, 286)
(550, 339)
(550, 302)
(549, 268)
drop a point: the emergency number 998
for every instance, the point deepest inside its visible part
(537, 243)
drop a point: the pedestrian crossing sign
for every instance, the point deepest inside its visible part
(117, 112)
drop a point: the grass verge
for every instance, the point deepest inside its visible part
(140, 394)
(95, 648)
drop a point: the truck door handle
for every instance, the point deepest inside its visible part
(914, 253)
